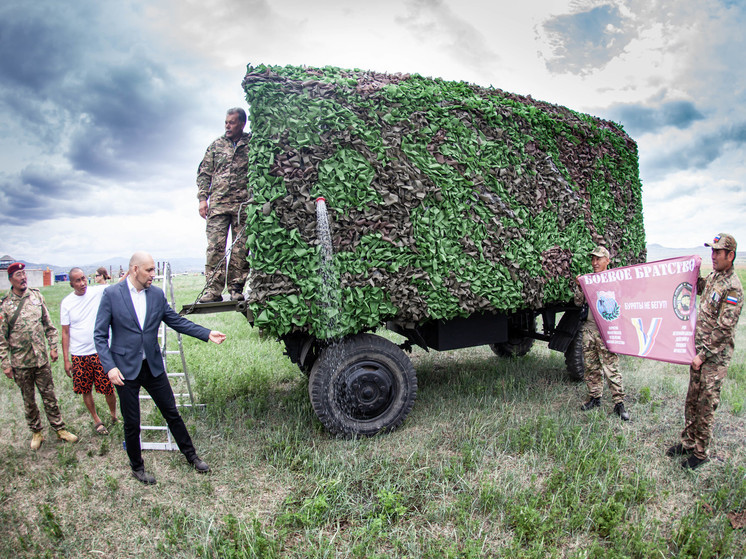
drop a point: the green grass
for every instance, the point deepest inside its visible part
(495, 460)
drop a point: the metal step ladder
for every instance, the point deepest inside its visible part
(183, 399)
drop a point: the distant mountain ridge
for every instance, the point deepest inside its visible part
(178, 265)
(658, 252)
(197, 265)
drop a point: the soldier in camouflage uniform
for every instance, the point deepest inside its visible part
(720, 302)
(599, 361)
(23, 352)
(223, 193)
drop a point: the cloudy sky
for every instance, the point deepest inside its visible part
(106, 107)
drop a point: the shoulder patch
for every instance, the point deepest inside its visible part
(732, 298)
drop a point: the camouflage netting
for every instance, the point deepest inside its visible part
(445, 199)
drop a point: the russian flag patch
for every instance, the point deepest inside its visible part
(731, 300)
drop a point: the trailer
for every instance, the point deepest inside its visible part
(454, 215)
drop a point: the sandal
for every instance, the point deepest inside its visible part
(100, 429)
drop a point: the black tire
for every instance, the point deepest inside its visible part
(362, 386)
(574, 361)
(516, 346)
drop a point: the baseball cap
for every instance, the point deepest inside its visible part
(600, 252)
(723, 240)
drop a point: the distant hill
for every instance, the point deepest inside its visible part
(658, 252)
(178, 266)
(197, 265)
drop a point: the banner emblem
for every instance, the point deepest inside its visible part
(682, 300)
(607, 306)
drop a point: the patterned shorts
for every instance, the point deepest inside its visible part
(87, 372)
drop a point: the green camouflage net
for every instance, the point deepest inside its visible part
(445, 199)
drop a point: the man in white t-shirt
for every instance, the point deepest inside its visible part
(78, 318)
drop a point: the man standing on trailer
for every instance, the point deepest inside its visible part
(600, 363)
(718, 310)
(222, 192)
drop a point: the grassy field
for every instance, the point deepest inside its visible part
(495, 460)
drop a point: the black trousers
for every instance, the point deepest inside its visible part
(163, 396)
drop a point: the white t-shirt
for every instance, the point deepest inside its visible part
(79, 312)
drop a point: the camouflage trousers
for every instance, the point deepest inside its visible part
(702, 400)
(218, 225)
(41, 377)
(600, 363)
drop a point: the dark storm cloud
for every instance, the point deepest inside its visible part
(35, 194)
(98, 100)
(37, 45)
(698, 154)
(640, 119)
(587, 40)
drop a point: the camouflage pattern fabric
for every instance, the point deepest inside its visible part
(444, 199)
(702, 399)
(222, 179)
(718, 312)
(41, 377)
(26, 345)
(600, 363)
(238, 267)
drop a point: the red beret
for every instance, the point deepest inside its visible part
(13, 268)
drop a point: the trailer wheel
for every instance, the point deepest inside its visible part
(515, 347)
(362, 386)
(574, 361)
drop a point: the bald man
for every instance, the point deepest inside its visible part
(134, 309)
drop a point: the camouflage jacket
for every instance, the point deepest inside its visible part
(720, 302)
(26, 345)
(589, 325)
(222, 176)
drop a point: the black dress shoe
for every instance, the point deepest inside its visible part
(199, 465)
(621, 412)
(692, 463)
(678, 450)
(143, 477)
(590, 404)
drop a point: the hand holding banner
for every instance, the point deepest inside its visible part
(647, 310)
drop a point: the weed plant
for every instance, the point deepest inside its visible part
(495, 460)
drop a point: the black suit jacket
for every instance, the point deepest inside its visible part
(128, 340)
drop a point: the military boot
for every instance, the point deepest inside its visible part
(621, 412)
(66, 436)
(36, 439)
(692, 463)
(678, 450)
(591, 403)
(236, 293)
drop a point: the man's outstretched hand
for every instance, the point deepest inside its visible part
(217, 337)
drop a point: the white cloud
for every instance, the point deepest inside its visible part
(107, 108)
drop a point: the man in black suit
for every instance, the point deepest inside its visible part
(134, 310)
